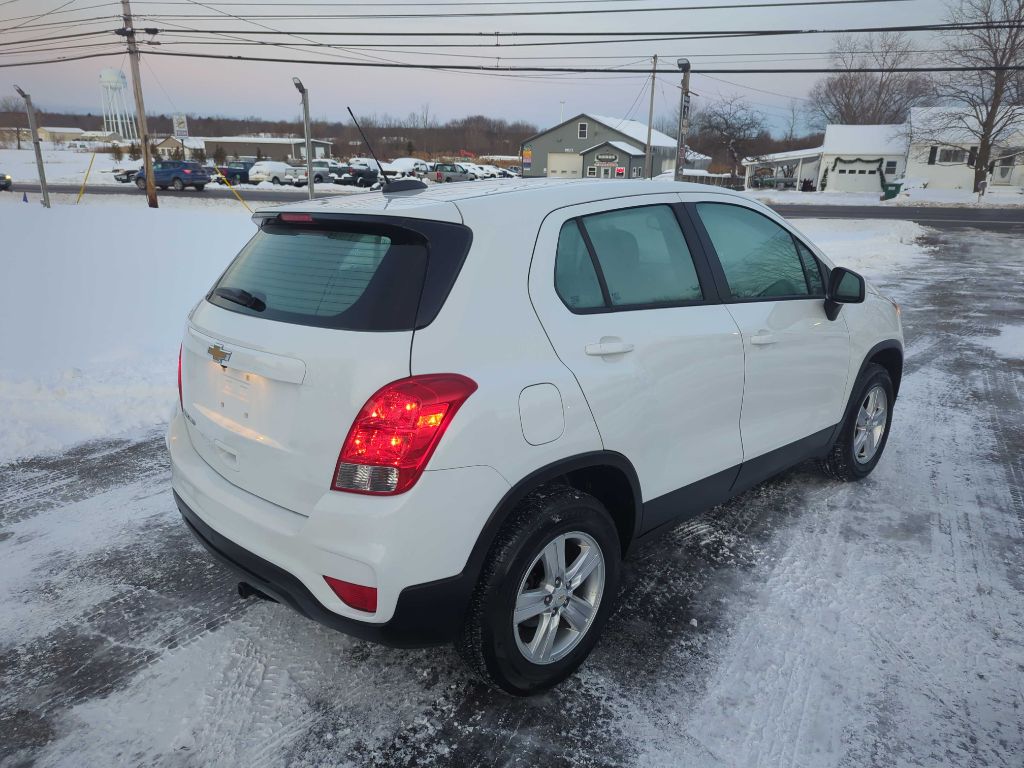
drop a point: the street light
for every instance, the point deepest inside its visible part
(35, 143)
(684, 118)
(309, 142)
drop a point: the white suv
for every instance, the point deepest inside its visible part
(415, 422)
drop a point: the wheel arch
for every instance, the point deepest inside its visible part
(889, 355)
(606, 475)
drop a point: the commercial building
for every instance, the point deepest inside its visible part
(267, 148)
(596, 146)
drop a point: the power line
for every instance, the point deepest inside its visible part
(470, 67)
(646, 36)
(545, 12)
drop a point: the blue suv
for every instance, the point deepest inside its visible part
(177, 174)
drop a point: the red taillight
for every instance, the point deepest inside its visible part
(354, 595)
(396, 432)
(439, 176)
(296, 217)
(187, 170)
(181, 400)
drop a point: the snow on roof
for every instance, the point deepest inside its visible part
(260, 140)
(622, 146)
(51, 129)
(634, 129)
(794, 154)
(865, 140)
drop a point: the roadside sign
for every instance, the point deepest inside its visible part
(180, 125)
(527, 157)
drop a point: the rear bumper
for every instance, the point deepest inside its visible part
(426, 614)
(413, 548)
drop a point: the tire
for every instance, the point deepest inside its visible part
(141, 184)
(318, 179)
(489, 641)
(360, 181)
(447, 179)
(178, 184)
(276, 181)
(859, 446)
(200, 187)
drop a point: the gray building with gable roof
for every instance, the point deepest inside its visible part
(595, 146)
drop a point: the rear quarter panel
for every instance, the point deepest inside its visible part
(488, 330)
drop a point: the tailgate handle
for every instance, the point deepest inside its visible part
(608, 348)
(229, 455)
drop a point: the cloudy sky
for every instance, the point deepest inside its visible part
(246, 88)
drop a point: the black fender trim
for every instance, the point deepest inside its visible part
(538, 477)
(879, 347)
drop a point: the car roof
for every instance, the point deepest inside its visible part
(503, 197)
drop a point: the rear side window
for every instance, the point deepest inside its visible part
(759, 257)
(575, 278)
(354, 276)
(643, 256)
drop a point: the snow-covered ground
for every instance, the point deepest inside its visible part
(996, 197)
(100, 358)
(807, 623)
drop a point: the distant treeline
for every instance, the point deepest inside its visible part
(419, 133)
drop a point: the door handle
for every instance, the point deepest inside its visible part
(763, 337)
(608, 348)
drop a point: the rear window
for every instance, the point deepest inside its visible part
(349, 275)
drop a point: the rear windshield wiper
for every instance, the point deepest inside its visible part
(243, 297)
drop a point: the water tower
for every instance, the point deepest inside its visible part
(118, 118)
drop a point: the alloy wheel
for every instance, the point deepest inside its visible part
(559, 597)
(870, 427)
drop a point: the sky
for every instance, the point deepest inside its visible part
(205, 87)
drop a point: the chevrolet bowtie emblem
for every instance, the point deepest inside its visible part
(219, 354)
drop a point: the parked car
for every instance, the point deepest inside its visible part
(452, 172)
(359, 173)
(507, 173)
(235, 172)
(5, 181)
(273, 171)
(462, 427)
(489, 171)
(325, 171)
(409, 166)
(176, 174)
(126, 175)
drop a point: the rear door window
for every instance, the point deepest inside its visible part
(347, 276)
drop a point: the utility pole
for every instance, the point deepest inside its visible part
(35, 143)
(684, 119)
(648, 155)
(309, 141)
(140, 106)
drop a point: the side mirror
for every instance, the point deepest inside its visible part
(844, 287)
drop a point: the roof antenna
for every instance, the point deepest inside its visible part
(384, 178)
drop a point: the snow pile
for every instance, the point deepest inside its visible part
(92, 304)
(917, 195)
(873, 247)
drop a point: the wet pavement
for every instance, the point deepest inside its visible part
(805, 623)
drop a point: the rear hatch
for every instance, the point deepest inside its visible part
(311, 318)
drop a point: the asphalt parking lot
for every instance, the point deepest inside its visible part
(806, 623)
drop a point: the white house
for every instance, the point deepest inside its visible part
(944, 148)
(852, 158)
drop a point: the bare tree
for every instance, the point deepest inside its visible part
(988, 106)
(732, 124)
(868, 98)
(792, 121)
(15, 111)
